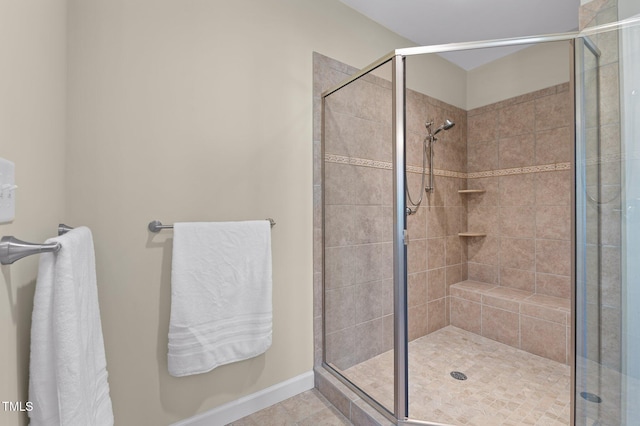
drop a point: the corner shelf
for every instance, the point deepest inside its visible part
(471, 191)
(471, 234)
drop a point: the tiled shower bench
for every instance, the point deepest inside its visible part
(535, 323)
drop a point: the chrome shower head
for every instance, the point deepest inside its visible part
(446, 126)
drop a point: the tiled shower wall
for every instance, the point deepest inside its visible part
(436, 255)
(519, 151)
(358, 222)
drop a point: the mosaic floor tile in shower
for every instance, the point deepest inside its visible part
(505, 386)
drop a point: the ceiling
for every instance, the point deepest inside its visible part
(432, 22)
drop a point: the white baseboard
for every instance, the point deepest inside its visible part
(249, 404)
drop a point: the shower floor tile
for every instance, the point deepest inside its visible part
(504, 386)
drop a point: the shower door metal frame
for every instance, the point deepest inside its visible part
(400, 300)
(397, 58)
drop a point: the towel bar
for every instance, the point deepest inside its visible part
(157, 226)
(12, 249)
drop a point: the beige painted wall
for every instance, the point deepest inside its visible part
(534, 68)
(527, 70)
(32, 135)
(191, 110)
(436, 77)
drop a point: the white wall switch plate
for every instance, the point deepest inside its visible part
(7, 191)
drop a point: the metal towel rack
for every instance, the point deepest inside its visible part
(12, 249)
(157, 226)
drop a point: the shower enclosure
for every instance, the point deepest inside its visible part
(507, 295)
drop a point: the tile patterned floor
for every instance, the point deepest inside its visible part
(309, 408)
(505, 386)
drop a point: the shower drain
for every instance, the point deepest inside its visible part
(591, 397)
(458, 375)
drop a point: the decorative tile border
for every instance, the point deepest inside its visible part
(438, 172)
(340, 159)
(520, 170)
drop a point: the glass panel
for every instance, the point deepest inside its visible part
(608, 343)
(358, 231)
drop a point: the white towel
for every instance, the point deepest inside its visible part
(220, 294)
(68, 375)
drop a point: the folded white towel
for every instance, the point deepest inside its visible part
(220, 294)
(68, 372)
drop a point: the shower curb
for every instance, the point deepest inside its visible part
(356, 410)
